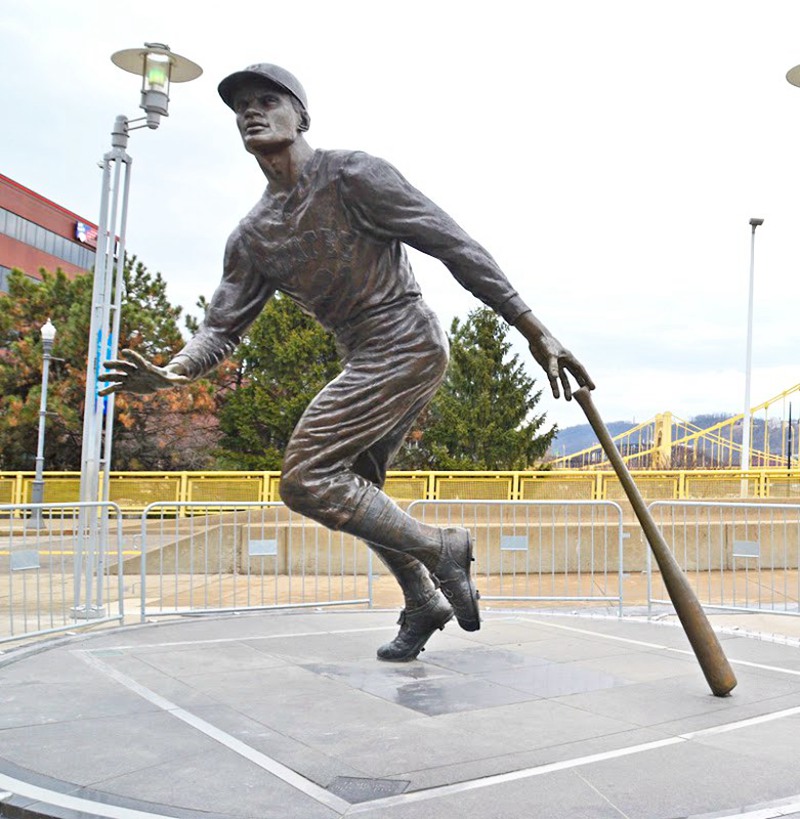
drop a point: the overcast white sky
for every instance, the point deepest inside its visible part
(610, 155)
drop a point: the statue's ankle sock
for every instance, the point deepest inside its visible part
(379, 520)
(414, 579)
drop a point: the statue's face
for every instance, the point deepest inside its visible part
(266, 117)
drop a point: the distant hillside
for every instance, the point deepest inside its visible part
(772, 434)
(581, 436)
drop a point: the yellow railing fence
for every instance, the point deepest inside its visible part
(133, 491)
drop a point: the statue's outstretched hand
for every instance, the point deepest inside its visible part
(136, 374)
(553, 357)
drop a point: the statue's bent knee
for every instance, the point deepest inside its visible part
(295, 494)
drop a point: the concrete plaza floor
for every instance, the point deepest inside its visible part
(288, 714)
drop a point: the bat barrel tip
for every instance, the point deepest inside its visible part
(723, 687)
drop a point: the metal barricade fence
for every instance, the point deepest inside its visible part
(558, 551)
(741, 556)
(57, 566)
(208, 557)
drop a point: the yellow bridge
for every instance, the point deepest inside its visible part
(669, 442)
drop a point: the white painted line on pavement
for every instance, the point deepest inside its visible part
(771, 811)
(659, 646)
(323, 633)
(86, 807)
(563, 765)
(306, 786)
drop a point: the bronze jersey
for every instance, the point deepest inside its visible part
(335, 245)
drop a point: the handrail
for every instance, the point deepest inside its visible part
(134, 491)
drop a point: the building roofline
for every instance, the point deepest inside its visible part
(45, 200)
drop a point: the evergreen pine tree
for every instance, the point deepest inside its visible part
(171, 429)
(283, 362)
(482, 417)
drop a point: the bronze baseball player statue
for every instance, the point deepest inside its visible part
(329, 233)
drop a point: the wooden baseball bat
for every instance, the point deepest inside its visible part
(707, 649)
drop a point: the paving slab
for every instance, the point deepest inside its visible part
(289, 714)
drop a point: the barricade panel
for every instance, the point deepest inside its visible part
(558, 551)
(406, 488)
(726, 485)
(240, 555)
(557, 487)
(652, 487)
(7, 490)
(735, 555)
(58, 489)
(214, 490)
(274, 493)
(135, 492)
(782, 486)
(56, 564)
(464, 487)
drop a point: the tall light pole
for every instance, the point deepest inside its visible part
(37, 496)
(158, 66)
(792, 76)
(754, 223)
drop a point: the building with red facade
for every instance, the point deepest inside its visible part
(36, 233)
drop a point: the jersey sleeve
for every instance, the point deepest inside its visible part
(236, 303)
(381, 202)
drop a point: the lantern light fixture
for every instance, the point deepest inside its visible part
(48, 332)
(158, 66)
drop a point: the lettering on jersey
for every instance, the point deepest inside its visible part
(322, 247)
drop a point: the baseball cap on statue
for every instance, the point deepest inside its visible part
(274, 74)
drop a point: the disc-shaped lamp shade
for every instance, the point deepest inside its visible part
(158, 67)
(134, 61)
(793, 75)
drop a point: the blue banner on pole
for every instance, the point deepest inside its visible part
(97, 368)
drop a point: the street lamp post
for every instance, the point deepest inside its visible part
(48, 337)
(158, 67)
(792, 76)
(745, 464)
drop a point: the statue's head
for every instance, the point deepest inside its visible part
(268, 75)
(270, 107)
